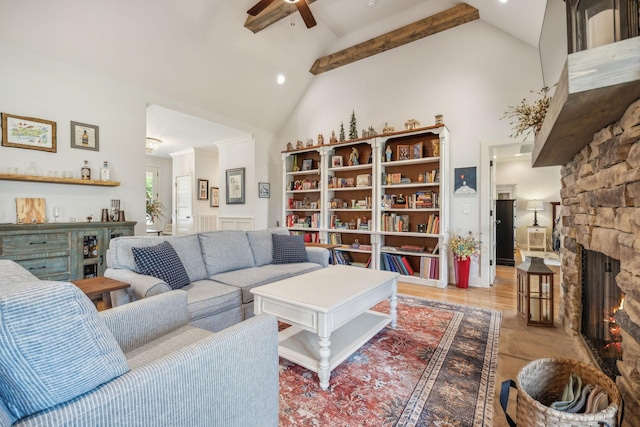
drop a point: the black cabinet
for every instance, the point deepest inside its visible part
(505, 231)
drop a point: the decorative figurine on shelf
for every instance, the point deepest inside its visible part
(295, 167)
(309, 142)
(289, 146)
(354, 157)
(299, 145)
(342, 138)
(388, 152)
(333, 138)
(356, 244)
(320, 139)
(353, 128)
(89, 218)
(387, 129)
(439, 119)
(411, 124)
(435, 146)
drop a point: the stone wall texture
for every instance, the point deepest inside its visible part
(601, 212)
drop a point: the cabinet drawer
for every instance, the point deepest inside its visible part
(35, 243)
(46, 266)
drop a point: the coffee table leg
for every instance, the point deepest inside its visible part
(324, 373)
(393, 306)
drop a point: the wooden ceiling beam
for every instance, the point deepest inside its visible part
(450, 18)
(272, 14)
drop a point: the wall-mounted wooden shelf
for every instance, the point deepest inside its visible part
(51, 179)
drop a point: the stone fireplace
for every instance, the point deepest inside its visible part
(601, 213)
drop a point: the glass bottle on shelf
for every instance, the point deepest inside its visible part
(105, 172)
(85, 172)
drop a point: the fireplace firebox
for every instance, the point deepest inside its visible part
(601, 298)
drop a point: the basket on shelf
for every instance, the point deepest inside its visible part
(541, 382)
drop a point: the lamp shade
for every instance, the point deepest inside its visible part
(535, 205)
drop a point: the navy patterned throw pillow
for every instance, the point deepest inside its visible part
(161, 261)
(288, 249)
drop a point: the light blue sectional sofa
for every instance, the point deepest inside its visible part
(222, 268)
(141, 364)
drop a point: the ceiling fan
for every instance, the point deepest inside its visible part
(302, 6)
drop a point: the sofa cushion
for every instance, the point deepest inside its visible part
(161, 261)
(225, 251)
(261, 246)
(54, 346)
(187, 247)
(165, 345)
(249, 278)
(288, 249)
(208, 297)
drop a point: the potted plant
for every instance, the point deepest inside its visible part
(154, 209)
(463, 248)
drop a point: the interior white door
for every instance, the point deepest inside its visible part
(184, 216)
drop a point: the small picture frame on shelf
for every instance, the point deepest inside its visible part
(416, 152)
(404, 152)
(307, 164)
(336, 161)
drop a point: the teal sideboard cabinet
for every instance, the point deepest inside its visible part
(61, 251)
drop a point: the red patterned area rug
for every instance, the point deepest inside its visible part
(437, 368)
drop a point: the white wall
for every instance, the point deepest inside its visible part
(38, 86)
(470, 74)
(532, 183)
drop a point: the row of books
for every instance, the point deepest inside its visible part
(296, 221)
(394, 222)
(342, 258)
(309, 236)
(424, 200)
(433, 224)
(429, 267)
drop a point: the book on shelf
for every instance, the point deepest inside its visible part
(430, 268)
(407, 266)
(412, 248)
(335, 238)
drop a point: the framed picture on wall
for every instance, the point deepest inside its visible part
(203, 189)
(465, 181)
(235, 186)
(28, 132)
(215, 197)
(84, 136)
(264, 190)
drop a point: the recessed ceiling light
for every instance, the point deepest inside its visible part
(280, 79)
(503, 1)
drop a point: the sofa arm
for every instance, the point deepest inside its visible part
(229, 379)
(140, 322)
(318, 255)
(142, 286)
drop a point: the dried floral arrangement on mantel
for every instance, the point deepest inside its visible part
(528, 117)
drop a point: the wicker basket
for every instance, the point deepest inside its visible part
(541, 382)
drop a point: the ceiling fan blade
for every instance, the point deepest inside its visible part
(259, 7)
(306, 14)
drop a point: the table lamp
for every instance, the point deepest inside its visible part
(535, 206)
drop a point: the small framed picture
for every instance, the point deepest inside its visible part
(264, 189)
(28, 132)
(307, 164)
(417, 151)
(336, 161)
(84, 136)
(235, 186)
(215, 197)
(203, 189)
(404, 152)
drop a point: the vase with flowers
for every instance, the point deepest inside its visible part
(463, 248)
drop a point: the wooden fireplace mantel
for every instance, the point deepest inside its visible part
(595, 88)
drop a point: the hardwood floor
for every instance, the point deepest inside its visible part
(519, 344)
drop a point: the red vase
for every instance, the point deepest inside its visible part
(462, 268)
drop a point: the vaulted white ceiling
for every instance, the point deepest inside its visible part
(199, 53)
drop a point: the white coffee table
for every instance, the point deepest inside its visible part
(328, 310)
